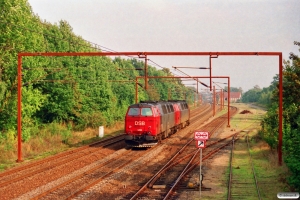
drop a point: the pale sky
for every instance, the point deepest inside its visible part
(188, 25)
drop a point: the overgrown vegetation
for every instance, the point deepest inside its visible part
(270, 176)
(61, 95)
(269, 97)
(291, 117)
(77, 91)
(258, 95)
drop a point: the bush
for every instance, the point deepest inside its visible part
(92, 120)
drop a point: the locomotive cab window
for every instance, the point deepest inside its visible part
(146, 112)
(134, 111)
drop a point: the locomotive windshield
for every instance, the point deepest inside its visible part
(146, 112)
(134, 111)
(137, 111)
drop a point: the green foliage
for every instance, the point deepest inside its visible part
(269, 125)
(9, 140)
(291, 118)
(66, 90)
(66, 135)
(92, 120)
(251, 95)
(291, 141)
(262, 96)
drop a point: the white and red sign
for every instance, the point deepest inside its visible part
(201, 135)
(200, 144)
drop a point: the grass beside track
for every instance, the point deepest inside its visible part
(46, 144)
(270, 176)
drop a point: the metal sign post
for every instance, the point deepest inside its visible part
(200, 177)
(201, 137)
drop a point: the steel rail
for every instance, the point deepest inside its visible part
(253, 171)
(209, 154)
(79, 176)
(188, 156)
(27, 166)
(196, 117)
(190, 167)
(84, 188)
(168, 163)
(230, 172)
(66, 153)
(229, 194)
(152, 180)
(77, 151)
(160, 171)
(19, 178)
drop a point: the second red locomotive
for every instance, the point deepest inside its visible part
(148, 122)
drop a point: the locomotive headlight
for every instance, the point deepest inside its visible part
(129, 131)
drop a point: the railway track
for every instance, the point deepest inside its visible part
(70, 189)
(163, 184)
(33, 172)
(194, 164)
(91, 159)
(82, 182)
(59, 157)
(143, 161)
(201, 116)
(239, 188)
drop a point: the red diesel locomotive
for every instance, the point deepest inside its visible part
(148, 122)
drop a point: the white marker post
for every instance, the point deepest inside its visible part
(201, 137)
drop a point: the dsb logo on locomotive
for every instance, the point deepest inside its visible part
(140, 123)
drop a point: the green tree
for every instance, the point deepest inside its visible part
(251, 95)
(67, 90)
(17, 23)
(291, 118)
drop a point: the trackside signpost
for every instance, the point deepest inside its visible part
(200, 144)
(201, 137)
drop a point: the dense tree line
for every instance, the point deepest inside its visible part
(258, 95)
(291, 117)
(269, 97)
(77, 91)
